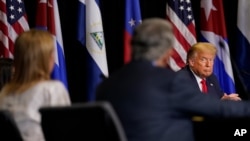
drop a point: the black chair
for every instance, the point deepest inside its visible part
(96, 121)
(8, 128)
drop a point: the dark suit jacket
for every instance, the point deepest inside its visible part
(213, 85)
(152, 106)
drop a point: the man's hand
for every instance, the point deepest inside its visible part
(233, 96)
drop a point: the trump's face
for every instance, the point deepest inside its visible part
(202, 64)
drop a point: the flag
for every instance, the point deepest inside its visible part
(48, 18)
(180, 14)
(213, 30)
(13, 21)
(243, 42)
(91, 36)
(132, 19)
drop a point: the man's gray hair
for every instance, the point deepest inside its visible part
(151, 39)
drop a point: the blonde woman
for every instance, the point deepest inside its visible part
(31, 87)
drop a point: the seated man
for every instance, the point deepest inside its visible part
(200, 62)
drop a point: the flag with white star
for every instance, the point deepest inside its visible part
(213, 30)
(132, 19)
(90, 35)
(180, 14)
(13, 22)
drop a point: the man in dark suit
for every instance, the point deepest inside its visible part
(200, 62)
(153, 102)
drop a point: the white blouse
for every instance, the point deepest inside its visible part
(25, 106)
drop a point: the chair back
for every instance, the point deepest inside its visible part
(95, 121)
(8, 127)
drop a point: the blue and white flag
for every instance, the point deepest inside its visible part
(90, 34)
(243, 41)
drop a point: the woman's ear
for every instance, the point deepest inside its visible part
(52, 61)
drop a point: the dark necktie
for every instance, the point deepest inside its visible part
(204, 86)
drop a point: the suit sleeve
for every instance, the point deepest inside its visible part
(186, 98)
(217, 86)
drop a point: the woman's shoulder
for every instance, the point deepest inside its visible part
(50, 86)
(51, 83)
(54, 91)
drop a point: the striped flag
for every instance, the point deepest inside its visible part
(47, 18)
(90, 34)
(132, 19)
(13, 21)
(243, 42)
(180, 14)
(213, 30)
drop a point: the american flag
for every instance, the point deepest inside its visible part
(180, 14)
(132, 19)
(48, 18)
(13, 21)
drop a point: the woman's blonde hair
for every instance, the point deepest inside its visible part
(32, 55)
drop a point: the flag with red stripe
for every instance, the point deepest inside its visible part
(48, 18)
(132, 19)
(13, 21)
(180, 14)
(213, 30)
